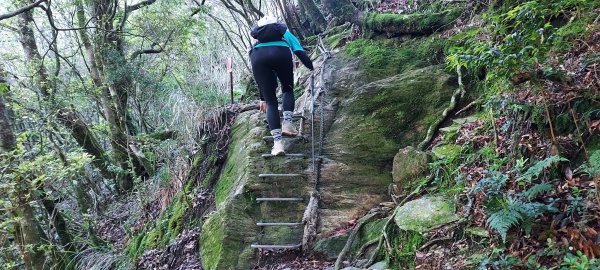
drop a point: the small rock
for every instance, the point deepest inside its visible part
(332, 246)
(478, 231)
(362, 263)
(409, 164)
(379, 266)
(423, 214)
(446, 151)
(351, 268)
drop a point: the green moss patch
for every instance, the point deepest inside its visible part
(415, 23)
(424, 214)
(383, 58)
(168, 226)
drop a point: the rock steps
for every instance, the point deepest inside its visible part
(273, 230)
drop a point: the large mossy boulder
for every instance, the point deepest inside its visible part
(409, 164)
(225, 238)
(424, 214)
(366, 124)
(227, 233)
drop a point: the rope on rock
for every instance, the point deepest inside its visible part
(310, 218)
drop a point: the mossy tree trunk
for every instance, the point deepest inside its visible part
(28, 233)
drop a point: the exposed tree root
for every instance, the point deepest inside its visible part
(453, 101)
(361, 222)
(364, 247)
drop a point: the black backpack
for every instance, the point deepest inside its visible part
(269, 32)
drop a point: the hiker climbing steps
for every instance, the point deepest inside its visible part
(286, 187)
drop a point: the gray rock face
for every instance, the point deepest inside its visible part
(409, 164)
(378, 266)
(425, 213)
(366, 122)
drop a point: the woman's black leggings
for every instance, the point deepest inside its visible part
(268, 64)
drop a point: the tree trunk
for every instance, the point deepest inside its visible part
(28, 233)
(314, 15)
(58, 222)
(344, 10)
(7, 140)
(70, 119)
(107, 55)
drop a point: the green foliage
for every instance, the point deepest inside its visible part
(579, 262)
(406, 244)
(166, 228)
(537, 190)
(514, 211)
(521, 38)
(536, 170)
(592, 166)
(493, 184)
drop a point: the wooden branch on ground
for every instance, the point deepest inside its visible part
(310, 220)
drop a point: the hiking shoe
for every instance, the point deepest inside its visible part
(288, 129)
(278, 148)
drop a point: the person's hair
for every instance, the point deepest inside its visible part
(267, 19)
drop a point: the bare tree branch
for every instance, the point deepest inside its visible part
(230, 39)
(146, 51)
(139, 5)
(153, 49)
(21, 10)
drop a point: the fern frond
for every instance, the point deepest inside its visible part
(503, 220)
(536, 170)
(594, 163)
(516, 212)
(538, 190)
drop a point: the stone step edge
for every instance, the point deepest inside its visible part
(280, 175)
(290, 246)
(279, 199)
(286, 155)
(270, 138)
(289, 224)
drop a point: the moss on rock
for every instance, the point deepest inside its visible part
(228, 233)
(423, 214)
(409, 165)
(225, 238)
(388, 57)
(372, 121)
(415, 23)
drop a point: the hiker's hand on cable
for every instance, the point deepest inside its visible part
(304, 59)
(263, 106)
